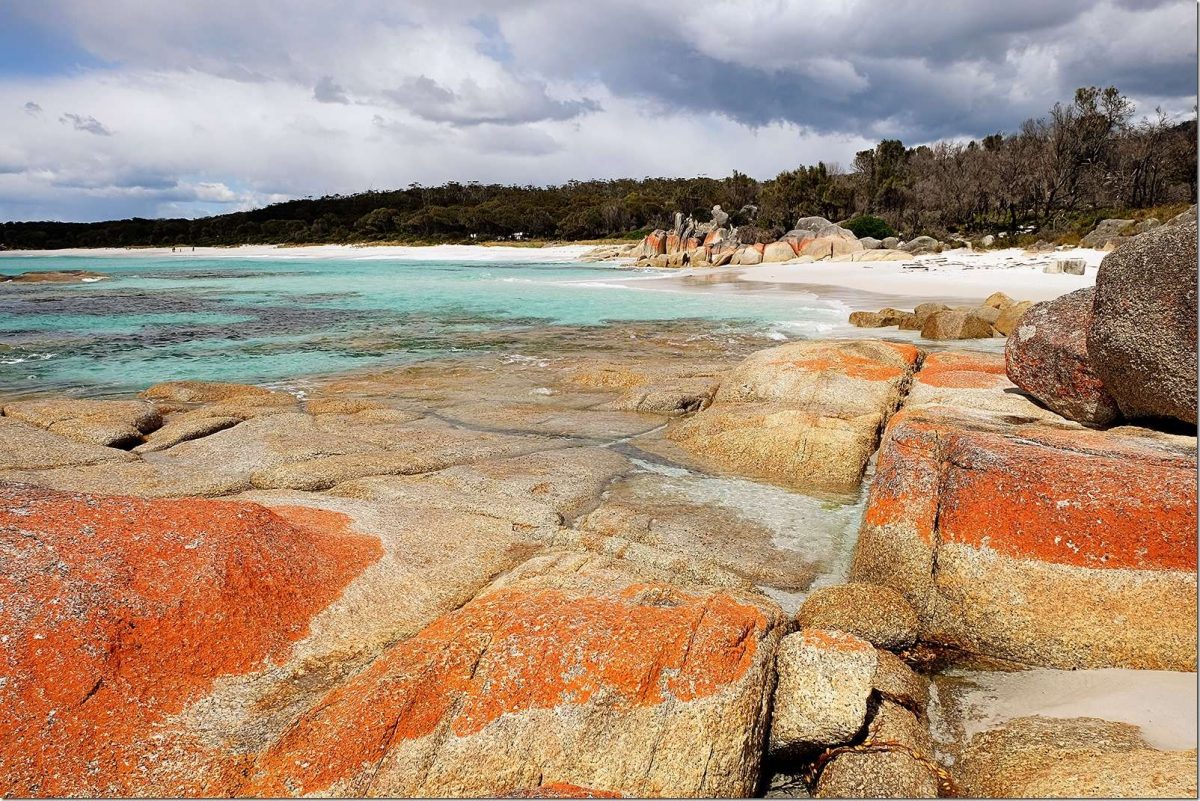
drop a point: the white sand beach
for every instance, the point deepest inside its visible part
(962, 273)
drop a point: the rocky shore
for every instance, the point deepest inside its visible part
(486, 576)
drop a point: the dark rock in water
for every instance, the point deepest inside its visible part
(55, 277)
(1046, 355)
(1142, 340)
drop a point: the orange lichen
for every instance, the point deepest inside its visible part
(510, 652)
(828, 640)
(958, 370)
(560, 790)
(118, 612)
(1070, 506)
(1082, 498)
(854, 365)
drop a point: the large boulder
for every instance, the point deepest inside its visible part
(1010, 315)
(1106, 231)
(1047, 357)
(957, 324)
(921, 244)
(1142, 340)
(806, 414)
(1047, 544)
(777, 252)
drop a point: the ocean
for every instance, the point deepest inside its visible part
(279, 318)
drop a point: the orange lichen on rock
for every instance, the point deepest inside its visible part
(1065, 503)
(961, 370)
(514, 651)
(560, 790)
(118, 612)
(830, 640)
(855, 365)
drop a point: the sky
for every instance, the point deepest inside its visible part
(143, 108)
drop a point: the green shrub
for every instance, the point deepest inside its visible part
(868, 225)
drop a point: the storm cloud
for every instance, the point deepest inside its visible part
(341, 97)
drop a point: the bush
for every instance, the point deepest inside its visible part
(868, 225)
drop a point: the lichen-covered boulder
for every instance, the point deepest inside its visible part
(1142, 339)
(1047, 544)
(119, 613)
(571, 671)
(806, 414)
(1046, 355)
(825, 679)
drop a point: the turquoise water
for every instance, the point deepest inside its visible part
(275, 319)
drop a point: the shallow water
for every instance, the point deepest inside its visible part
(274, 319)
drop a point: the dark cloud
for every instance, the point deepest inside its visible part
(89, 124)
(33, 108)
(327, 91)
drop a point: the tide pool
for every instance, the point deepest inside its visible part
(267, 320)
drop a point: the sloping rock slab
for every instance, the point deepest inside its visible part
(117, 424)
(1038, 544)
(806, 414)
(119, 612)
(570, 671)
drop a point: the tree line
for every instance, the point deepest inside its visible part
(1084, 159)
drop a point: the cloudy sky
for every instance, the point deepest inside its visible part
(138, 107)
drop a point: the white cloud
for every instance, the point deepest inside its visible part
(209, 106)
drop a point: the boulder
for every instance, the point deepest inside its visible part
(719, 217)
(1047, 357)
(866, 319)
(870, 243)
(1034, 542)
(988, 313)
(921, 244)
(1142, 340)
(1070, 266)
(1184, 217)
(824, 681)
(120, 614)
(747, 256)
(909, 322)
(1038, 757)
(891, 243)
(971, 380)
(953, 324)
(806, 414)
(897, 682)
(988, 241)
(998, 300)
(924, 311)
(777, 252)
(1107, 231)
(813, 224)
(117, 424)
(1010, 316)
(878, 614)
(570, 669)
(723, 258)
(1148, 224)
(895, 760)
